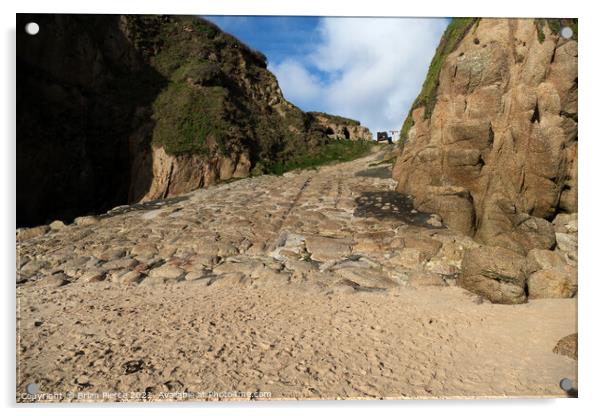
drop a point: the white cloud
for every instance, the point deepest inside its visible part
(297, 83)
(372, 68)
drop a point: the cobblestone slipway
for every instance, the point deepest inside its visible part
(315, 284)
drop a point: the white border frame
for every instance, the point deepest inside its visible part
(591, 143)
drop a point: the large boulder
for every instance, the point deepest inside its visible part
(495, 273)
(492, 148)
(552, 274)
(558, 282)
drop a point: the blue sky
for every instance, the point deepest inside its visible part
(369, 69)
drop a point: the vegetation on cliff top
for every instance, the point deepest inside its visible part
(335, 151)
(196, 111)
(185, 118)
(334, 118)
(221, 98)
(455, 32)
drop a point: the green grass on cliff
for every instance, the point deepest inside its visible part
(198, 110)
(336, 151)
(216, 100)
(185, 118)
(452, 36)
(335, 118)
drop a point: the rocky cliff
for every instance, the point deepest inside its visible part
(341, 128)
(491, 142)
(117, 109)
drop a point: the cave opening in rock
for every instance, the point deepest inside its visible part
(346, 133)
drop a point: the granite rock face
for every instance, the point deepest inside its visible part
(496, 156)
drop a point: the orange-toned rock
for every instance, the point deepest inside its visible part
(496, 155)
